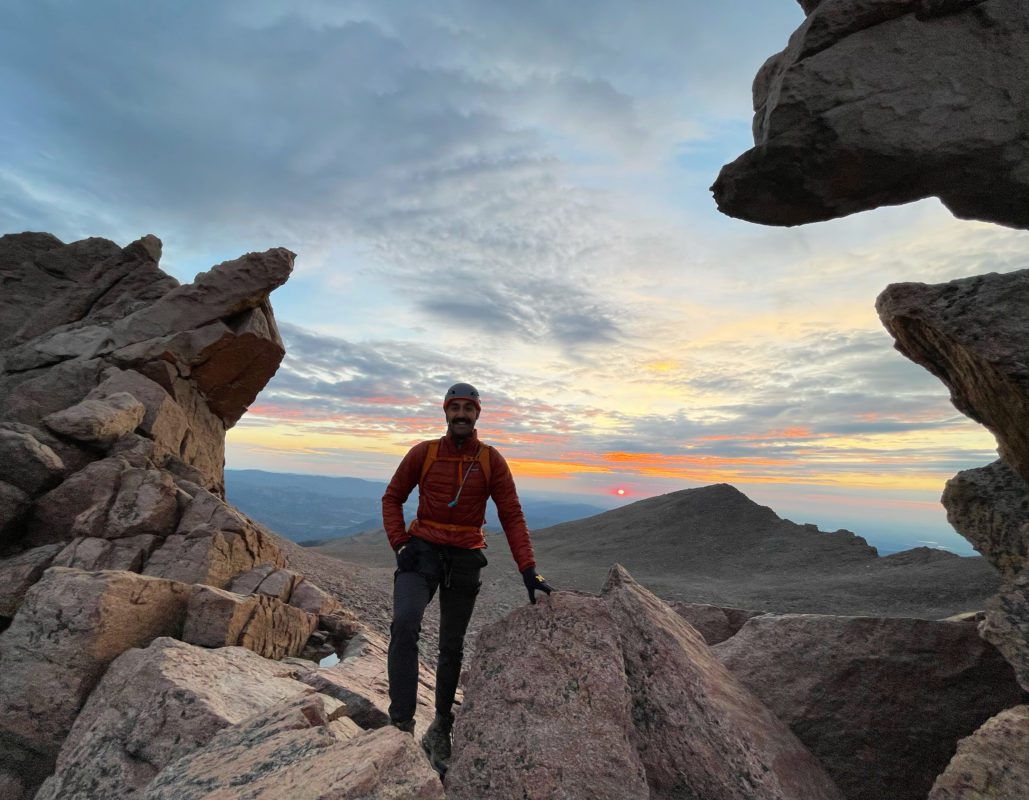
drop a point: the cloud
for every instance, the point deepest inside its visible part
(417, 141)
(862, 430)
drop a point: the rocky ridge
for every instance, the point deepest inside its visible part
(882, 102)
(144, 621)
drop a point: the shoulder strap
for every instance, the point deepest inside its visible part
(430, 455)
(484, 458)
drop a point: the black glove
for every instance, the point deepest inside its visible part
(407, 558)
(534, 583)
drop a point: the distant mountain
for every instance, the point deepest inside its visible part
(308, 508)
(712, 530)
(716, 545)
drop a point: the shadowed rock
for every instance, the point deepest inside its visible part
(989, 506)
(971, 334)
(881, 102)
(114, 319)
(359, 680)
(18, 573)
(991, 763)
(881, 702)
(27, 463)
(714, 623)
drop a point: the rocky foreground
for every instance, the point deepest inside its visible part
(157, 643)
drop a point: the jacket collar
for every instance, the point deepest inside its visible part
(471, 442)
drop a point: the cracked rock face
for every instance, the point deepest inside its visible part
(617, 697)
(97, 342)
(882, 102)
(971, 334)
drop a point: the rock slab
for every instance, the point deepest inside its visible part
(881, 702)
(301, 749)
(547, 711)
(698, 731)
(971, 334)
(70, 626)
(156, 705)
(991, 763)
(264, 624)
(882, 102)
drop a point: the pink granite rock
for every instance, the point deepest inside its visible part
(156, 705)
(91, 553)
(547, 710)
(882, 702)
(99, 421)
(359, 680)
(297, 750)
(164, 421)
(714, 623)
(313, 599)
(78, 507)
(699, 732)
(267, 580)
(70, 626)
(264, 624)
(991, 763)
(212, 556)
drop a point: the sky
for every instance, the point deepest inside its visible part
(513, 194)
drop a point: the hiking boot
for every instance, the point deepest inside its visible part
(436, 741)
(407, 725)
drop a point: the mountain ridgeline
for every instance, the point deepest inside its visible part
(316, 508)
(715, 545)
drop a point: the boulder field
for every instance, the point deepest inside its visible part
(881, 102)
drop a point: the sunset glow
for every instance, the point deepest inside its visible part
(516, 200)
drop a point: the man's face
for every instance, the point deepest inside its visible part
(461, 416)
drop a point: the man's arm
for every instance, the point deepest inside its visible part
(399, 489)
(509, 509)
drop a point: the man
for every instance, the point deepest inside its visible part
(443, 549)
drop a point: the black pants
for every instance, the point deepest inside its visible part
(455, 572)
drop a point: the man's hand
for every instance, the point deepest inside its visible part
(534, 583)
(407, 558)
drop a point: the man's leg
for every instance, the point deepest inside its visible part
(456, 604)
(412, 592)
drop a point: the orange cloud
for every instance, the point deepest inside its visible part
(785, 433)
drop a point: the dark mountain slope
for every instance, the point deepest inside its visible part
(716, 545)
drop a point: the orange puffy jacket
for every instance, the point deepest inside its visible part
(460, 526)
